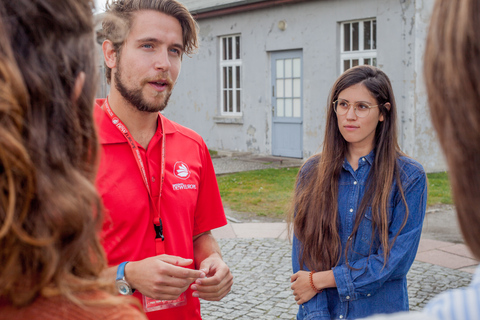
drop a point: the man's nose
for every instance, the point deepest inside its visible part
(162, 61)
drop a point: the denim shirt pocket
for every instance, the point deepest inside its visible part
(366, 247)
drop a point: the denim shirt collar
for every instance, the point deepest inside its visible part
(369, 158)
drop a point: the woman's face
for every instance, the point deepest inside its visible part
(357, 131)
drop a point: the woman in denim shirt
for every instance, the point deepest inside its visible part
(359, 207)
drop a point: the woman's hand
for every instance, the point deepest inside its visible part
(302, 290)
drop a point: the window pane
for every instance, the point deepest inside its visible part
(367, 61)
(355, 36)
(288, 88)
(280, 108)
(374, 34)
(230, 101)
(224, 46)
(230, 79)
(238, 100)
(237, 46)
(296, 68)
(230, 48)
(296, 88)
(225, 101)
(280, 73)
(280, 91)
(225, 77)
(296, 108)
(346, 65)
(346, 35)
(366, 35)
(237, 73)
(374, 62)
(288, 108)
(288, 68)
(354, 62)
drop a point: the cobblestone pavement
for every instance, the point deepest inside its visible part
(262, 270)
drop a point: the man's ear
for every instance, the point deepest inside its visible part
(78, 87)
(109, 54)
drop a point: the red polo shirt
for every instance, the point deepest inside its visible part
(190, 202)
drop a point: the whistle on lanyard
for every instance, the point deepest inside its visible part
(159, 230)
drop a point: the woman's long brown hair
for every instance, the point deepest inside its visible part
(314, 213)
(50, 212)
(452, 76)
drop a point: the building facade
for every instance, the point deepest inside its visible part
(260, 80)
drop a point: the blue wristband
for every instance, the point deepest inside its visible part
(121, 270)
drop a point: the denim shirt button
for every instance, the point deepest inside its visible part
(363, 159)
(341, 317)
(351, 210)
(355, 182)
(368, 295)
(347, 297)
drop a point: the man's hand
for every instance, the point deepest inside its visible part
(161, 277)
(208, 259)
(218, 280)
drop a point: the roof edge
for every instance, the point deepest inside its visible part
(236, 7)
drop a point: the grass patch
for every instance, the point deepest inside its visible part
(212, 152)
(269, 192)
(439, 190)
(265, 192)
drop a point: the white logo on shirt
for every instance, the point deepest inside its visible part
(181, 170)
(183, 186)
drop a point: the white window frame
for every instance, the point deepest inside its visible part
(235, 63)
(361, 54)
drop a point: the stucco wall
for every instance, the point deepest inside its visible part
(313, 27)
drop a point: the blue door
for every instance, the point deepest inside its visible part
(287, 98)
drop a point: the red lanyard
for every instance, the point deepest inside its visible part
(157, 220)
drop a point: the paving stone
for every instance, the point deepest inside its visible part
(262, 270)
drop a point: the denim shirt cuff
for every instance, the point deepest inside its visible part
(344, 283)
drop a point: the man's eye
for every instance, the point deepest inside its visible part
(147, 46)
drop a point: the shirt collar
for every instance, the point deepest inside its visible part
(369, 158)
(109, 134)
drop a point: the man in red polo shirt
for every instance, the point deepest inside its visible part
(156, 177)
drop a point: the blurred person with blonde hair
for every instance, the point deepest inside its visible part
(50, 212)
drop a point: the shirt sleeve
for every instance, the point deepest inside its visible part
(209, 213)
(369, 273)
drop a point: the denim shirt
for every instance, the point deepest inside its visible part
(369, 287)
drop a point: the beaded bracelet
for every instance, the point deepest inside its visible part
(311, 283)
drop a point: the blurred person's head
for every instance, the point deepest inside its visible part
(452, 77)
(120, 17)
(49, 208)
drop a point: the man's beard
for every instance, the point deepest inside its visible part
(135, 96)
